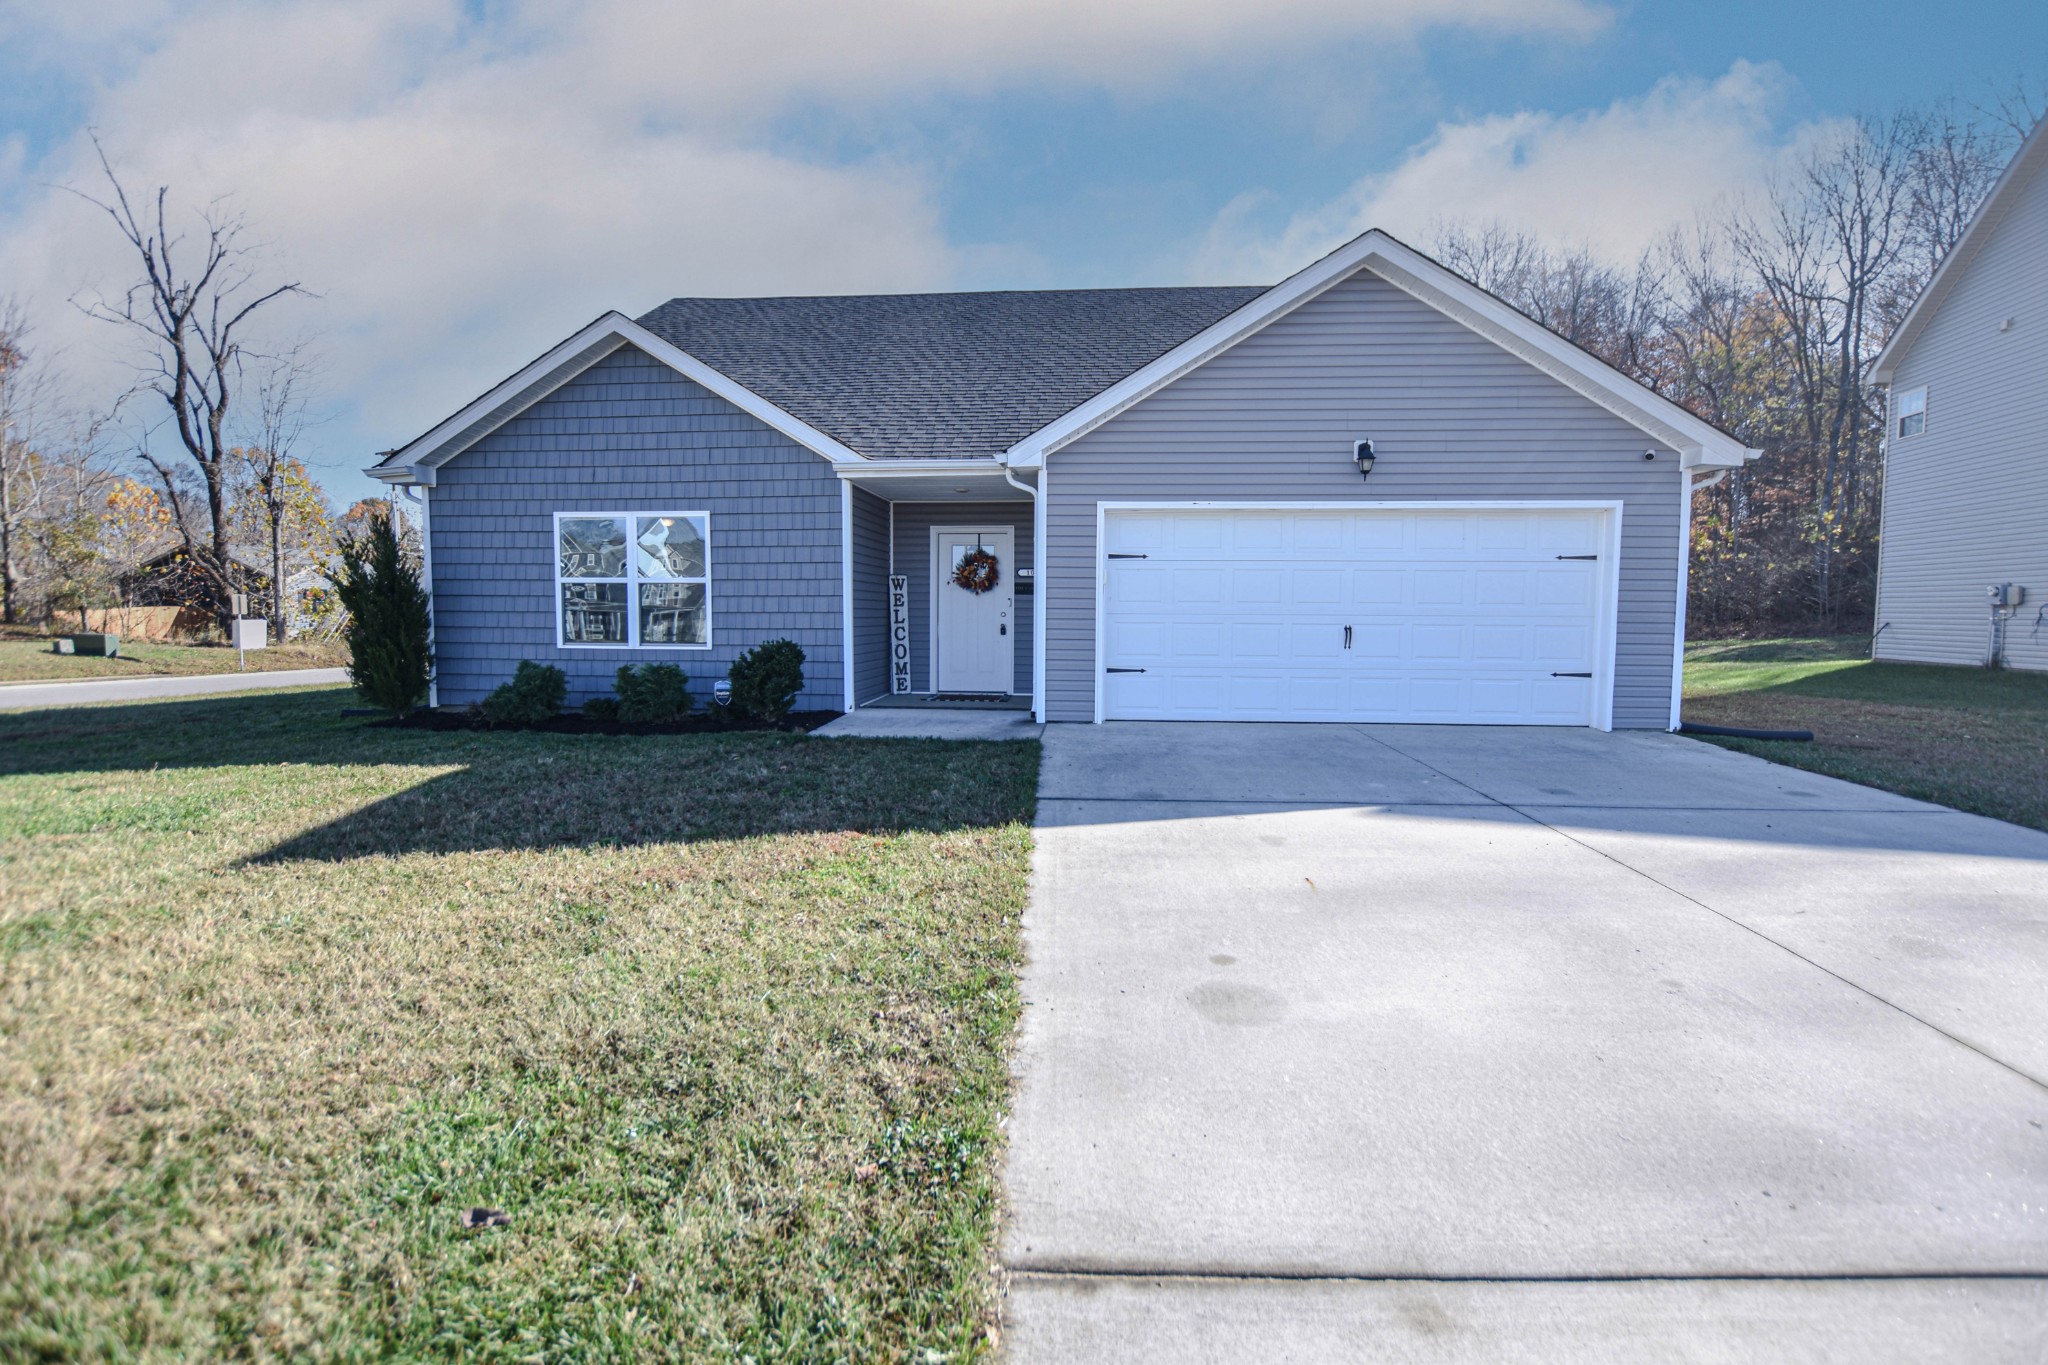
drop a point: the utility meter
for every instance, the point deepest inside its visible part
(2006, 594)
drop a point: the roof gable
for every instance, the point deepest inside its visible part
(2026, 163)
(1698, 442)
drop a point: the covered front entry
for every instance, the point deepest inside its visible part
(920, 638)
(1422, 613)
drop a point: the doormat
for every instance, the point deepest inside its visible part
(970, 696)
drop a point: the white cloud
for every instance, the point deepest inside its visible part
(1614, 179)
(461, 190)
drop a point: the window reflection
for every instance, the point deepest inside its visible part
(672, 614)
(592, 547)
(594, 613)
(670, 547)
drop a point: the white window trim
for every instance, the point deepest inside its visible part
(1899, 414)
(632, 580)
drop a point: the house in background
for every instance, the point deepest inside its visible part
(1963, 551)
(1372, 492)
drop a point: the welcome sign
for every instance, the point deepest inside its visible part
(899, 633)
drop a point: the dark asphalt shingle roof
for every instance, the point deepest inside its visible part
(895, 375)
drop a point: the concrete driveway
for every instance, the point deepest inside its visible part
(1449, 1044)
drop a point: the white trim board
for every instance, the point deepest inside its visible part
(1606, 649)
(1698, 443)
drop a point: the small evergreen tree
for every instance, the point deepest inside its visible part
(389, 661)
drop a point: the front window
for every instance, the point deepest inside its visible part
(637, 579)
(1912, 412)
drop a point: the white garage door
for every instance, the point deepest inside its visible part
(1438, 616)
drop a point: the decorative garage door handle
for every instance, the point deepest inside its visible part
(1114, 555)
(1578, 556)
(1571, 675)
(1123, 670)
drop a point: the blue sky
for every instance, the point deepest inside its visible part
(463, 182)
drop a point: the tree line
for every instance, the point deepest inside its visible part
(1764, 317)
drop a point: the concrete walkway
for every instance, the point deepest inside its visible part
(35, 696)
(1443, 1044)
(931, 723)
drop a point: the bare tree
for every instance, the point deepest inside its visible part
(17, 454)
(268, 465)
(190, 308)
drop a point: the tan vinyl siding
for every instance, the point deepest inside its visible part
(1454, 418)
(1966, 500)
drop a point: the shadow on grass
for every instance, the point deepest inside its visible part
(524, 790)
(1940, 686)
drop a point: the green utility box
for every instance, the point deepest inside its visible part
(91, 642)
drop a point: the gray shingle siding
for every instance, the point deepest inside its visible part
(870, 596)
(632, 434)
(1965, 500)
(914, 523)
(1454, 417)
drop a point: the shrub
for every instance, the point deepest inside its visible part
(379, 588)
(602, 708)
(766, 679)
(652, 694)
(535, 694)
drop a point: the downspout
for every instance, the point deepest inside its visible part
(1037, 590)
(418, 496)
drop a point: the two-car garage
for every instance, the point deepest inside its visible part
(1463, 614)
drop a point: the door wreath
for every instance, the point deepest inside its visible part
(977, 571)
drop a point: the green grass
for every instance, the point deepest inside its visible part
(1972, 738)
(720, 1021)
(29, 659)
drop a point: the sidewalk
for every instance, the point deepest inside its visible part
(29, 696)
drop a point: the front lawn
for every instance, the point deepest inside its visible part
(26, 658)
(720, 1022)
(1972, 738)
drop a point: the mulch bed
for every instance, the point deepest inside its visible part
(575, 723)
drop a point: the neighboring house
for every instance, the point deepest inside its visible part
(171, 579)
(1167, 479)
(1966, 444)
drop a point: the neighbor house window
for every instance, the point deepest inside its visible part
(637, 579)
(1912, 414)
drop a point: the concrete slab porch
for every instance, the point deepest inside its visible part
(932, 722)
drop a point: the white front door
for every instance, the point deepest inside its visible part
(1409, 614)
(974, 647)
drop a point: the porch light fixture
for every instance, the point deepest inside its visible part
(1362, 456)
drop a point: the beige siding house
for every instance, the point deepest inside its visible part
(1966, 450)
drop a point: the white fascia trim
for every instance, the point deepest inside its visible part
(1608, 648)
(2032, 154)
(1697, 442)
(565, 362)
(882, 467)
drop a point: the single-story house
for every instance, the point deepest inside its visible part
(1962, 573)
(1371, 492)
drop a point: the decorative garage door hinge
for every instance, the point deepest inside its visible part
(1114, 555)
(1123, 670)
(1578, 556)
(1571, 675)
